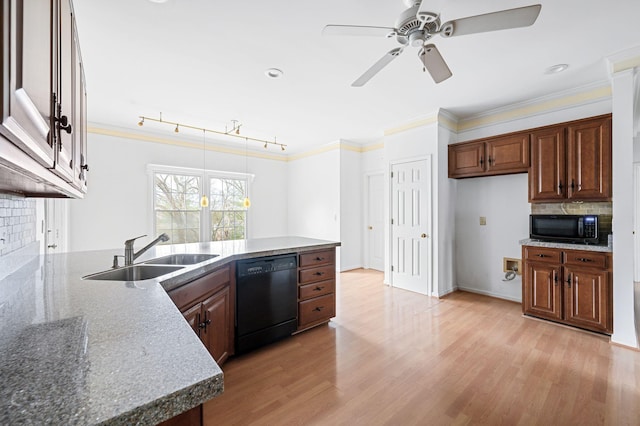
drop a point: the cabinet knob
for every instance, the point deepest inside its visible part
(63, 124)
(318, 308)
(319, 274)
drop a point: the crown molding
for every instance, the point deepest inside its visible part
(182, 142)
(558, 101)
(624, 60)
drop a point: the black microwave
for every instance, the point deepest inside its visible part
(564, 228)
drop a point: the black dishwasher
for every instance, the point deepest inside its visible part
(266, 301)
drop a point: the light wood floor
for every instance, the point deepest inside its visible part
(398, 358)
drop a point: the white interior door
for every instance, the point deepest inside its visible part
(411, 225)
(375, 222)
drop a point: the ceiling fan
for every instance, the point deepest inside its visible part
(416, 26)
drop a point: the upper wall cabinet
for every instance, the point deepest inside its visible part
(571, 161)
(505, 154)
(43, 106)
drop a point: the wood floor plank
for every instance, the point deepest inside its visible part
(392, 357)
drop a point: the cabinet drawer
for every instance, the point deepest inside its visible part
(200, 287)
(316, 289)
(542, 254)
(317, 258)
(317, 309)
(586, 259)
(320, 273)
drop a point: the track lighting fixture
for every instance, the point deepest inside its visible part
(234, 131)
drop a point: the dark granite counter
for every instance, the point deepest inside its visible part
(75, 351)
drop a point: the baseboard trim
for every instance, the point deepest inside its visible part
(490, 294)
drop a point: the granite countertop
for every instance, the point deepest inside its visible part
(566, 246)
(76, 351)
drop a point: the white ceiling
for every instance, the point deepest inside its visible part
(202, 62)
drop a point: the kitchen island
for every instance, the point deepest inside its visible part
(76, 351)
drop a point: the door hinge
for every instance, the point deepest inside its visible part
(391, 174)
(391, 268)
(392, 221)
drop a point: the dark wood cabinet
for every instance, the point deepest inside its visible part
(547, 175)
(208, 305)
(316, 288)
(505, 154)
(569, 286)
(589, 149)
(571, 161)
(40, 116)
(28, 28)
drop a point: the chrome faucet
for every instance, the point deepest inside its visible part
(130, 256)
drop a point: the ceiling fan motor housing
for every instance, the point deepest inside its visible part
(415, 30)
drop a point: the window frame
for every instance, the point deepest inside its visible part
(205, 179)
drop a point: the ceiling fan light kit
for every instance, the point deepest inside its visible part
(416, 26)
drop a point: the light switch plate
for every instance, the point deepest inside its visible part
(483, 220)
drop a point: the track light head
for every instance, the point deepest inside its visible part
(177, 130)
(282, 146)
(265, 145)
(141, 122)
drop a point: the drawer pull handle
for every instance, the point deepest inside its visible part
(204, 324)
(319, 274)
(569, 280)
(318, 308)
(584, 259)
(319, 258)
(542, 255)
(318, 288)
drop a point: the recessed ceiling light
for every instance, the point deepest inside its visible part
(555, 69)
(273, 73)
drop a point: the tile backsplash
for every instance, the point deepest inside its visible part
(600, 208)
(17, 223)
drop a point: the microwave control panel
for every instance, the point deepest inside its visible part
(590, 225)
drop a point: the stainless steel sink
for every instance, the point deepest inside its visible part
(133, 273)
(181, 259)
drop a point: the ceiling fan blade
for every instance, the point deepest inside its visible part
(502, 20)
(434, 63)
(357, 30)
(375, 68)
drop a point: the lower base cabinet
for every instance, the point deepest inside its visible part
(573, 287)
(316, 288)
(208, 305)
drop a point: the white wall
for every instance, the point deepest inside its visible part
(418, 143)
(118, 205)
(351, 210)
(314, 197)
(445, 231)
(624, 331)
(480, 249)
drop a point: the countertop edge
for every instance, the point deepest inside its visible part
(566, 246)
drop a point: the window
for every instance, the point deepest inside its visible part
(228, 215)
(177, 211)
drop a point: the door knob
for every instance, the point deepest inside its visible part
(370, 228)
(52, 246)
(423, 236)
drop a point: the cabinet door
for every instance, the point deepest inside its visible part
(589, 160)
(587, 298)
(79, 120)
(27, 31)
(542, 291)
(547, 180)
(192, 315)
(509, 154)
(218, 334)
(466, 160)
(63, 93)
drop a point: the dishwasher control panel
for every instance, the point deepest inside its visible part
(265, 265)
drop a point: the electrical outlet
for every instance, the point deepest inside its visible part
(483, 220)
